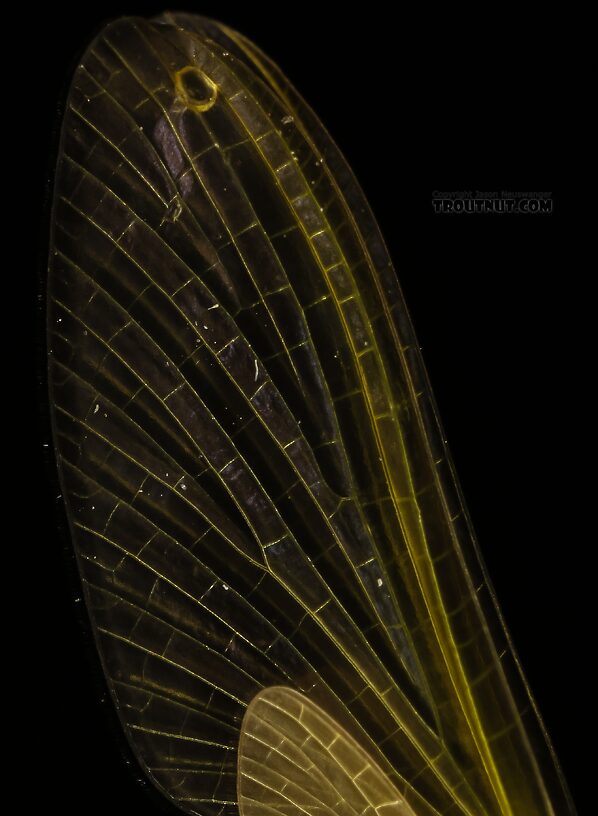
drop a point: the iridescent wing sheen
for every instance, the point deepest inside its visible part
(261, 502)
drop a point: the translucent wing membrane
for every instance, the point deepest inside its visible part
(281, 578)
(294, 758)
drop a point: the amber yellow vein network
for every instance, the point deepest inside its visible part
(372, 348)
(343, 318)
(430, 589)
(214, 205)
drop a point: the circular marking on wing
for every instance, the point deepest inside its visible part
(195, 89)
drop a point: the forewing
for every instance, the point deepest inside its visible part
(256, 482)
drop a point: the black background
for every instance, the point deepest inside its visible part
(441, 104)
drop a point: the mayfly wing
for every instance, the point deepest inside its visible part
(281, 577)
